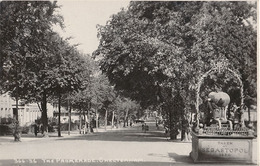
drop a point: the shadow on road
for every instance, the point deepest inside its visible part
(134, 134)
(180, 158)
(120, 136)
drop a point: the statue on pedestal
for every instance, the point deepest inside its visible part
(220, 125)
(217, 105)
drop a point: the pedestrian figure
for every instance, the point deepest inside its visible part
(35, 130)
(144, 127)
(41, 128)
(166, 132)
(157, 126)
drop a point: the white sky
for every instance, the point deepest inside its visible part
(81, 18)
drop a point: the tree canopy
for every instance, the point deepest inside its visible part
(151, 49)
(160, 44)
(36, 63)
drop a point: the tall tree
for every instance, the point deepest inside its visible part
(42, 63)
(165, 46)
(82, 98)
(66, 74)
(26, 37)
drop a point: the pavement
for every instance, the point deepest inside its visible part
(8, 139)
(122, 146)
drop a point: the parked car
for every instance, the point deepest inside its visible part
(139, 121)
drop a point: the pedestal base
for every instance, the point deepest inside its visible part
(221, 148)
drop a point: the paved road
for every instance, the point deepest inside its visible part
(127, 146)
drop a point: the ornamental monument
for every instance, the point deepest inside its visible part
(220, 138)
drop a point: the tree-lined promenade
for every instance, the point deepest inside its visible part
(151, 54)
(126, 146)
(39, 66)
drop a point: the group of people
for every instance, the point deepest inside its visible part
(38, 128)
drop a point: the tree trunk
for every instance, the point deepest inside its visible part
(89, 121)
(183, 135)
(80, 122)
(126, 115)
(117, 120)
(85, 122)
(16, 133)
(249, 118)
(16, 102)
(184, 124)
(172, 128)
(106, 120)
(124, 121)
(59, 103)
(69, 110)
(186, 121)
(113, 114)
(173, 134)
(96, 121)
(44, 115)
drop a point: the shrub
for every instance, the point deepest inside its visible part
(5, 129)
(25, 129)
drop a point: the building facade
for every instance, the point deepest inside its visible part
(6, 110)
(27, 113)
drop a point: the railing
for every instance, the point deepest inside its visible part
(225, 130)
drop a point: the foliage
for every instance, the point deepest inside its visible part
(25, 32)
(26, 40)
(36, 62)
(126, 108)
(101, 96)
(152, 47)
(222, 31)
(5, 129)
(92, 87)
